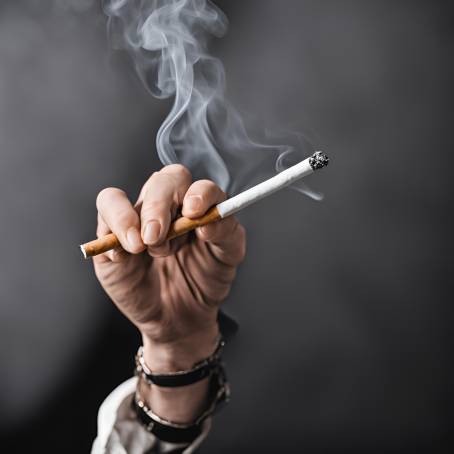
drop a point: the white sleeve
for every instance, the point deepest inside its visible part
(119, 432)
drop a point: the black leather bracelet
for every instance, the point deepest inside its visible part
(181, 378)
(172, 432)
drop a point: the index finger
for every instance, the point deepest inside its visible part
(121, 218)
(164, 192)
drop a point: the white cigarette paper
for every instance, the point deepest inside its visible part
(274, 184)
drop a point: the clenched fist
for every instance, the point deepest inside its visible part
(170, 290)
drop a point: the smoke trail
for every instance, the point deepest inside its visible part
(168, 42)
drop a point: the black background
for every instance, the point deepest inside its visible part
(344, 305)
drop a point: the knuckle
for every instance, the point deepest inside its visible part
(178, 169)
(206, 187)
(106, 194)
(154, 208)
(125, 218)
(154, 179)
(151, 178)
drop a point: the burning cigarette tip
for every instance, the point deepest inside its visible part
(318, 160)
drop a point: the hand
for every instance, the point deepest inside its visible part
(170, 290)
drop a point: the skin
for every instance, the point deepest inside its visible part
(171, 291)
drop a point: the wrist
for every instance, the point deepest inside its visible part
(181, 354)
(181, 404)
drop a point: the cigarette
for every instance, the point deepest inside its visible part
(224, 209)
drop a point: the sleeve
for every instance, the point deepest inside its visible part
(119, 432)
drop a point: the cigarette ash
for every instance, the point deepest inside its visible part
(318, 160)
(168, 42)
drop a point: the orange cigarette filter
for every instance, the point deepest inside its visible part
(179, 227)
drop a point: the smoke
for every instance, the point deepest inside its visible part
(168, 40)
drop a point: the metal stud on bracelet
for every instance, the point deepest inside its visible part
(200, 371)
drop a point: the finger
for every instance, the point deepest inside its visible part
(200, 197)
(226, 239)
(120, 217)
(116, 255)
(164, 192)
(102, 228)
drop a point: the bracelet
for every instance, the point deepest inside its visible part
(172, 432)
(180, 378)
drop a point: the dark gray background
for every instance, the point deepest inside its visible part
(344, 305)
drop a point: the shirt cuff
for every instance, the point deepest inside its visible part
(119, 431)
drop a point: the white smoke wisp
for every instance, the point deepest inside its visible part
(168, 42)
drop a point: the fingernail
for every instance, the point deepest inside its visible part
(151, 232)
(133, 237)
(194, 203)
